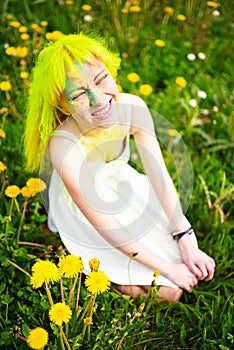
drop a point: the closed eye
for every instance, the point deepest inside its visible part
(101, 79)
(72, 98)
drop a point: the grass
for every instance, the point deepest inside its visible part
(203, 319)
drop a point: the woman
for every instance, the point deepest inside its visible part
(98, 203)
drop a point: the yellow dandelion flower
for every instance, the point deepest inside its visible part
(44, 23)
(36, 27)
(2, 133)
(9, 16)
(172, 132)
(60, 313)
(159, 43)
(156, 273)
(44, 271)
(133, 77)
(97, 282)
(181, 18)
(212, 4)
(125, 55)
(86, 7)
(180, 81)
(124, 10)
(23, 63)
(69, 2)
(23, 29)
(25, 36)
(26, 192)
(5, 86)
(169, 10)
(15, 24)
(70, 265)
(88, 320)
(36, 280)
(4, 110)
(135, 8)
(3, 167)
(24, 75)
(22, 51)
(146, 89)
(11, 51)
(37, 338)
(94, 264)
(12, 191)
(36, 185)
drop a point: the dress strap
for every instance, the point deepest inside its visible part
(71, 137)
(65, 133)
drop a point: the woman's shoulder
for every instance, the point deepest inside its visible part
(68, 130)
(132, 99)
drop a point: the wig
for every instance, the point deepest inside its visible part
(48, 83)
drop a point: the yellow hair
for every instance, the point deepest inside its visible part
(49, 76)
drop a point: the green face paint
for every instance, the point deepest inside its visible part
(91, 97)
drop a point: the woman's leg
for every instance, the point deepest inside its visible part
(133, 291)
(166, 293)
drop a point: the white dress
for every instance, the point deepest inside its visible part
(129, 196)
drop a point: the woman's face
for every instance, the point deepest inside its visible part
(91, 96)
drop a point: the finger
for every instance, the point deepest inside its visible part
(204, 270)
(188, 289)
(191, 284)
(194, 282)
(196, 271)
(211, 269)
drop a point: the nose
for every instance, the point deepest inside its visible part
(95, 97)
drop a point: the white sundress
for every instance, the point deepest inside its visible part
(131, 199)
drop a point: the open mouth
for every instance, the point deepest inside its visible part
(103, 113)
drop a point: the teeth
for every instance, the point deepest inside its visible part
(102, 111)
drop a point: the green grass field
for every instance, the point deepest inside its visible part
(182, 55)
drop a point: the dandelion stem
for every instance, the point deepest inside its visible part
(65, 338)
(9, 216)
(78, 292)
(89, 314)
(61, 289)
(61, 340)
(21, 337)
(19, 268)
(132, 256)
(33, 244)
(3, 186)
(12, 105)
(21, 221)
(49, 294)
(72, 289)
(17, 205)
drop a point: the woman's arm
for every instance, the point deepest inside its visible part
(71, 167)
(142, 128)
(144, 135)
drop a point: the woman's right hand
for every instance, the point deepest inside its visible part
(182, 277)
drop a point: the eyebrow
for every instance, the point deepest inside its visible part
(102, 71)
(83, 87)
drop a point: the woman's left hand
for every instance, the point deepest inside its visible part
(201, 264)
